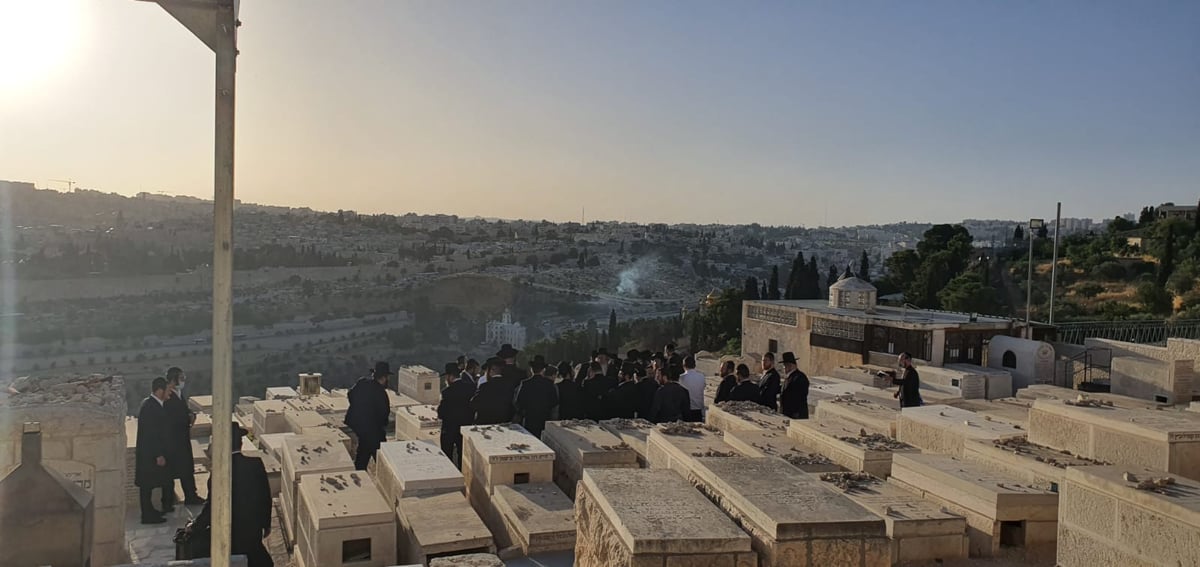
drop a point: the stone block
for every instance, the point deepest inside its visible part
(504, 454)
(632, 432)
(618, 526)
(200, 404)
(298, 421)
(871, 416)
(579, 444)
(944, 429)
(268, 417)
(319, 404)
(918, 530)
(306, 456)
(785, 509)
(344, 521)
(309, 384)
(676, 447)
(272, 443)
(536, 517)
(765, 443)
(282, 393)
(1033, 464)
(440, 524)
(202, 428)
(1013, 411)
(419, 383)
(848, 446)
(466, 560)
(417, 423)
(744, 416)
(1077, 548)
(101, 452)
(414, 468)
(998, 507)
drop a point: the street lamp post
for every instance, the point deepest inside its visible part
(215, 23)
(1034, 224)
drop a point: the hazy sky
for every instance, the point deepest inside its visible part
(838, 112)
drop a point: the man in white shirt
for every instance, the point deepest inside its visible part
(693, 380)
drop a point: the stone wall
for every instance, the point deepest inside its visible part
(1169, 381)
(757, 334)
(83, 437)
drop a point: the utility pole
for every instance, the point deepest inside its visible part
(1054, 266)
(215, 23)
(1034, 224)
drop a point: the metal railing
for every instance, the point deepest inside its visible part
(1150, 332)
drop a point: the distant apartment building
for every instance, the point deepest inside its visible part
(506, 331)
(1186, 212)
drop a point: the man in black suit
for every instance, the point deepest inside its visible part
(909, 392)
(179, 439)
(622, 401)
(570, 399)
(728, 381)
(671, 401)
(769, 383)
(793, 399)
(493, 399)
(647, 386)
(594, 388)
(250, 520)
(513, 375)
(153, 447)
(368, 413)
(536, 399)
(746, 389)
(455, 411)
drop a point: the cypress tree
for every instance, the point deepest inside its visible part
(795, 278)
(864, 267)
(751, 288)
(773, 288)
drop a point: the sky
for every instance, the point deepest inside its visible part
(777, 112)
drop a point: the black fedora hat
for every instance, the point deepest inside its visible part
(451, 368)
(601, 352)
(507, 351)
(381, 369)
(788, 358)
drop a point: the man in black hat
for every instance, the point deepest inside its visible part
(746, 389)
(250, 519)
(647, 386)
(570, 398)
(536, 399)
(607, 368)
(179, 458)
(769, 383)
(513, 374)
(594, 388)
(493, 399)
(622, 401)
(470, 372)
(368, 413)
(454, 411)
(728, 381)
(793, 398)
(672, 357)
(153, 448)
(671, 401)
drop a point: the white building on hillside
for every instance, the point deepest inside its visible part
(505, 331)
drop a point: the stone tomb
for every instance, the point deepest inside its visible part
(1001, 511)
(200, 404)
(1106, 520)
(343, 521)
(282, 393)
(310, 384)
(581, 443)
(778, 444)
(632, 432)
(272, 444)
(848, 446)
(1013, 411)
(744, 416)
(944, 429)
(418, 423)
(618, 525)
(1163, 440)
(319, 404)
(268, 417)
(501, 454)
(872, 416)
(1034, 464)
(919, 531)
(440, 524)
(414, 468)
(202, 427)
(676, 446)
(794, 519)
(834, 389)
(299, 421)
(419, 383)
(537, 518)
(303, 456)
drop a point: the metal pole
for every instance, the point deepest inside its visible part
(1054, 266)
(1029, 284)
(222, 370)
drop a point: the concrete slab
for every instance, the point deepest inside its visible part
(583, 443)
(538, 518)
(281, 393)
(1160, 439)
(872, 416)
(298, 420)
(677, 446)
(619, 527)
(418, 422)
(268, 417)
(467, 560)
(944, 429)
(1034, 464)
(344, 521)
(1013, 411)
(319, 404)
(272, 443)
(200, 404)
(632, 432)
(202, 427)
(793, 518)
(744, 416)
(414, 468)
(778, 444)
(1036, 392)
(440, 524)
(848, 446)
(304, 456)
(1000, 509)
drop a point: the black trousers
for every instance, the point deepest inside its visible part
(367, 446)
(694, 415)
(188, 483)
(145, 496)
(452, 446)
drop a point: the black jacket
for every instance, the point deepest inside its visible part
(179, 437)
(725, 389)
(594, 389)
(622, 401)
(536, 399)
(570, 400)
(793, 399)
(646, 387)
(768, 389)
(251, 512)
(455, 408)
(744, 392)
(369, 409)
(671, 402)
(152, 442)
(910, 387)
(493, 402)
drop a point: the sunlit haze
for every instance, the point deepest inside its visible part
(807, 113)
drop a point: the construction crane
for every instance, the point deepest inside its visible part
(70, 184)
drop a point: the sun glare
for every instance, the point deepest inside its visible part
(36, 38)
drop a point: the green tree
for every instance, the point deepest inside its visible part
(1018, 234)
(773, 287)
(831, 277)
(796, 277)
(614, 341)
(968, 293)
(1166, 262)
(751, 288)
(864, 267)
